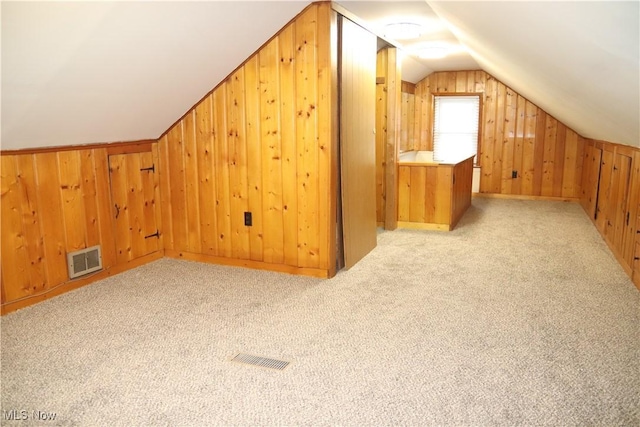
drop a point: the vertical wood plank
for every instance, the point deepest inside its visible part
(237, 165)
(177, 188)
(518, 149)
(443, 195)
(404, 193)
(118, 172)
(306, 137)
(135, 205)
(194, 237)
(498, 140)
(489, 135)
(89, 195)
(206, 177)
(558, 166)
(31, 223)
(273, 236)
(147, 202)
(509, 141)
(288, 60)
(569, 165)
(15, 280)
(327, 57)
(549, 156)
(221, 149)
(381, 132)
(53, 223)
(539, 151)
(394, 85)
(105, 205)
(430, 194)
(165, 193)
(72, 201)
(417, 196)
(529, 150)
(254, 157)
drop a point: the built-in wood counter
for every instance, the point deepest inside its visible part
(432, 196)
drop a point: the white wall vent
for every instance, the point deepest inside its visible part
(84, 261)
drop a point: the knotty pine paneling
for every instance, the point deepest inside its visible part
(516, 135)
(381, 131)
(260, 142)
(390, 111)
(611, 196)
(54, 202)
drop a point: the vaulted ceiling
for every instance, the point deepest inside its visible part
(87, 72)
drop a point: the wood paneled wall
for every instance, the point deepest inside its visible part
(388, 126)
(516, 137)
(54, 202)
(611, 198)
(260, 142)
(432, 196)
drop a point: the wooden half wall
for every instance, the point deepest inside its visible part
(523, 150)
(611, 198)
(261, 144)
(59, 201)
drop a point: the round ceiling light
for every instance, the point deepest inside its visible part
(403, 30)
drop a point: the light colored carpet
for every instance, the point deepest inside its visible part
(520, 316)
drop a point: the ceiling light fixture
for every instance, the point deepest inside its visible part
(403, 30)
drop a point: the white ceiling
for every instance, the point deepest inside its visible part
(86, 72)
(375, 15)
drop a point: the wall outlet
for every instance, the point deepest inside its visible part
(514, 174)
(247, 219)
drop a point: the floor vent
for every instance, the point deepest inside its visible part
(84, 261)
(263, 362)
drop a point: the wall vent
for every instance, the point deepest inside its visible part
(84, 261)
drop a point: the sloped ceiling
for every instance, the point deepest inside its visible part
(579, 61)
(87, 72)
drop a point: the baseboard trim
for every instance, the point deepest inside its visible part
(70, 285)
(247, 263)
(423, 226)
(521, 197)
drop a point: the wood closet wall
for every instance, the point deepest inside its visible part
(516, 135)
(261, 142)
(611, 198)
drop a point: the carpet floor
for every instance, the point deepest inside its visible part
(520, 316)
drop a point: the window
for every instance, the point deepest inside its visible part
(455, 127)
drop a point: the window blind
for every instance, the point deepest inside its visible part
(455, 127)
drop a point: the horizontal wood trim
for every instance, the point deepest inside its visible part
(521, 197)
(133, 148)
(408, 87)
(121, 146)
(246, 263)
(78, 283)
(423, 226)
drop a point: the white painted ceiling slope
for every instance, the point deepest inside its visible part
(87, 72)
